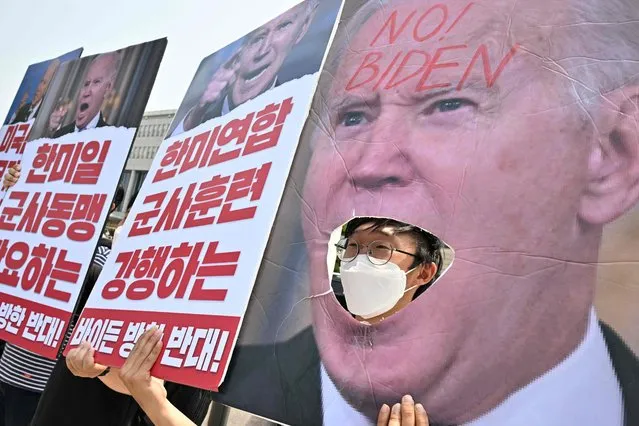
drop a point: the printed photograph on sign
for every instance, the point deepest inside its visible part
(284, 49)
(98, 91)
(508, 131)
(188, 253)
(52, 218)
(25, 108)
(26, 104)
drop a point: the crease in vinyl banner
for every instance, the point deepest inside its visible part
(498, 129)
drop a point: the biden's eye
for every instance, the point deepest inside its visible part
(448, 105)
(284, 25)
(352, 118)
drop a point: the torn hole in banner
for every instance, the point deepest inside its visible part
(378, 265)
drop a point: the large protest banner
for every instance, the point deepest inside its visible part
(509, 130)
(51, 220)
(25, 108)
(189, 252)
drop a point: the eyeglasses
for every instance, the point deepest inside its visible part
(378, 252)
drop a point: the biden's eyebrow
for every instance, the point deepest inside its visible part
(352, 100)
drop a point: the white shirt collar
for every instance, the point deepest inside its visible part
(92, 124)
(34, 110)
(226, 106)
(581, 390)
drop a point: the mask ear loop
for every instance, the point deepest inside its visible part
(416, 285)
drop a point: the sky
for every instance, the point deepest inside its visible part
(36, 30)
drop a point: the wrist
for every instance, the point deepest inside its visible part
(105, 372)
(154, 405)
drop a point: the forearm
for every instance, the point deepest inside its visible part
(162, 412)
(113, 381)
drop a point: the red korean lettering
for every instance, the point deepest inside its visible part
(175, 210)
(66, 271)
(15, 256)
(34, 213)
(91, 161)
(37, 269)
(214, 264)
(141, 221)
(11, 212)
(248, 181)
(210, 195)
(170, 162)
(195, 152)
(235, 130)
(266, 129)
(177, 274)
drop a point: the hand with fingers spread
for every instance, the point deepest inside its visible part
(405, 414)
(136, 371)
(147, 391)
(12, 176)
(81, 362)
(214, 93)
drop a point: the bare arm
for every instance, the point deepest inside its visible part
(81, 363)
(135, 374)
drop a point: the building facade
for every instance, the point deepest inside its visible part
(147, 141)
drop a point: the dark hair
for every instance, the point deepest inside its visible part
(118, 197)
(429, 247)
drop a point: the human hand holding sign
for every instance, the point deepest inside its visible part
(405, 414)
(147, 391)
(214, 93)
(81, 362)
(134, 378)
(12, 176)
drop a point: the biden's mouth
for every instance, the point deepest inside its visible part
(84, 106)
(255, 75)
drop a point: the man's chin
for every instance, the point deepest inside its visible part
(248, 90)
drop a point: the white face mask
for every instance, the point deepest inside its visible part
(370, 290)
(116, 235)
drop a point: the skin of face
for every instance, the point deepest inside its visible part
(510, 176)
(418, 276)
(44, 83)
(98, 81)
(263, 54)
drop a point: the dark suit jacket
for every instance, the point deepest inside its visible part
(23, 114)
(282, 382)
(215, 109)
(70, 128)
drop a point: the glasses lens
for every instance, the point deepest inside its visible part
(347, 250)
(379, 253)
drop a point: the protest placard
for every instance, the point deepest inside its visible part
(191, 246)
(24, 109)
(51, 220)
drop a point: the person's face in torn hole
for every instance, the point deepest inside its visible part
(517, 170)
(384, 265)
